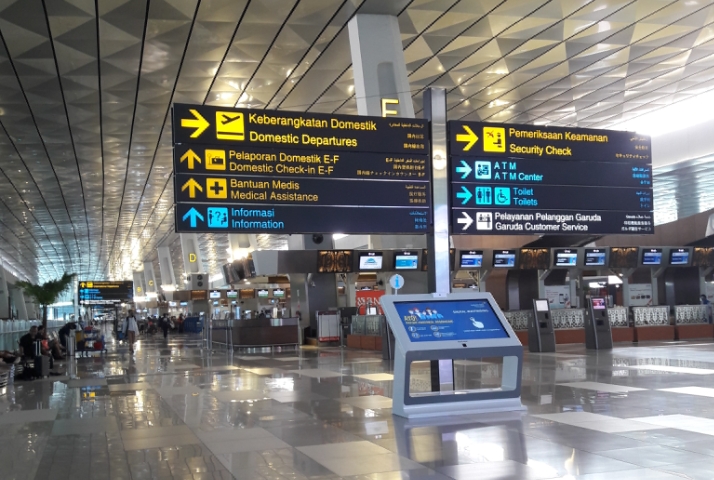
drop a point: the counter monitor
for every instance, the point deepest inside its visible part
(504, 258)
(598, 303)
(215, 294)
(172, 304)
(406, 260)
(595, 257)
(183, 304)
(278, 293)
(262, 294)
(232, 294)
(652, 256)
(566, 257)
(438, 320)
(370, 261)
(679, 256)
(471, 259)
(541, 305)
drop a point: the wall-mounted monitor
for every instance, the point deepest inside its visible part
(541, 305)
(652, 257)
(279, 293)
(679, 256)
(595, 257)
(598, 303)
(504, 258)
(183, 304)
(215, 294)
(232, 294)
(263, 293)
(370, 260)
(471, 259)
(438, 320)
(566, 257)
(406, 260)
(172, 304)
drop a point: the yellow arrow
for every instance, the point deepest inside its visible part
(198, 122)
(469, 137)
(192, 186)
(191, 157)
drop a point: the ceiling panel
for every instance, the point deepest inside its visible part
(87, 88)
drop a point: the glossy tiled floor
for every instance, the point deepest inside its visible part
(175, 411)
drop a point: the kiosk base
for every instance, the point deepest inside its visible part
(460, 408)
(623, 334)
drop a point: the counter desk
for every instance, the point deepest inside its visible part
(260, 332)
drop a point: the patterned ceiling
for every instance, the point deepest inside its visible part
(87, 88)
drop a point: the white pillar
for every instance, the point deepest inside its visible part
(192, 259)
(18, 298)
(149, 277)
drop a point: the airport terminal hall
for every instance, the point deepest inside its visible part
(357, 239)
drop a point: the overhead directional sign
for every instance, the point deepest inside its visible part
(238, 218)
(539, 142)
(256, 171)
(92, 292)
(511, 179)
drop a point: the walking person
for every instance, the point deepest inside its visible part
(132, 330)
(165, 324)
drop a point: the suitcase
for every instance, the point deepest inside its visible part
(42, 366)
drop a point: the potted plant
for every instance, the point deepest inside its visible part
(47, 293)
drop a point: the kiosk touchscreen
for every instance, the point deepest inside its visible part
(598, 334)
(541, 336)
(457, 326)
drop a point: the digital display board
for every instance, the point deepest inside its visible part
(504, 258)
(279, 293)
(92, 292)
(214, 294)
(263, 293)
(541, 305)
(263, 171)
(471, 259)
(679, 256)
(183, 304)
(515, 179)
(406, 260)
(232, 294)
(652, 256)
(598, 303)
(370, 261)
(566, 257)
(595, 257)
(428, 321)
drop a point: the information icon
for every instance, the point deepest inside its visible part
(217, 217)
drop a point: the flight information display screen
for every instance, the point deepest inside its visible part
(652, 256)
(595, 257)
(471, 259)
(434, 320)
(370, 261)
(504, 258)
(406, 261)
(566, 257)
(679, 256)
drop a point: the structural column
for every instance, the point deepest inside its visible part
(166, 268)
(192, 259)
(4, 294)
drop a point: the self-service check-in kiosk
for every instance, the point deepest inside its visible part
(598, 334)
(456, 326)
(541, 336)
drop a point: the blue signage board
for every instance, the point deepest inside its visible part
(262, 171)
(437, 320)
(529, 179)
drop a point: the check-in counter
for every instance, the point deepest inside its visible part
(652, 323)
(620, 325)
(690, 321)
(260, 332)
(366, 332)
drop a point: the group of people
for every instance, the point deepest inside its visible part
(37, 342)
(131, 327)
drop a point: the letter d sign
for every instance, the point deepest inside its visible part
(192, 257)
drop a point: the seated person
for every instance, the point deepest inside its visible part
(49, 347)
(9, 357)
(27, 343)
